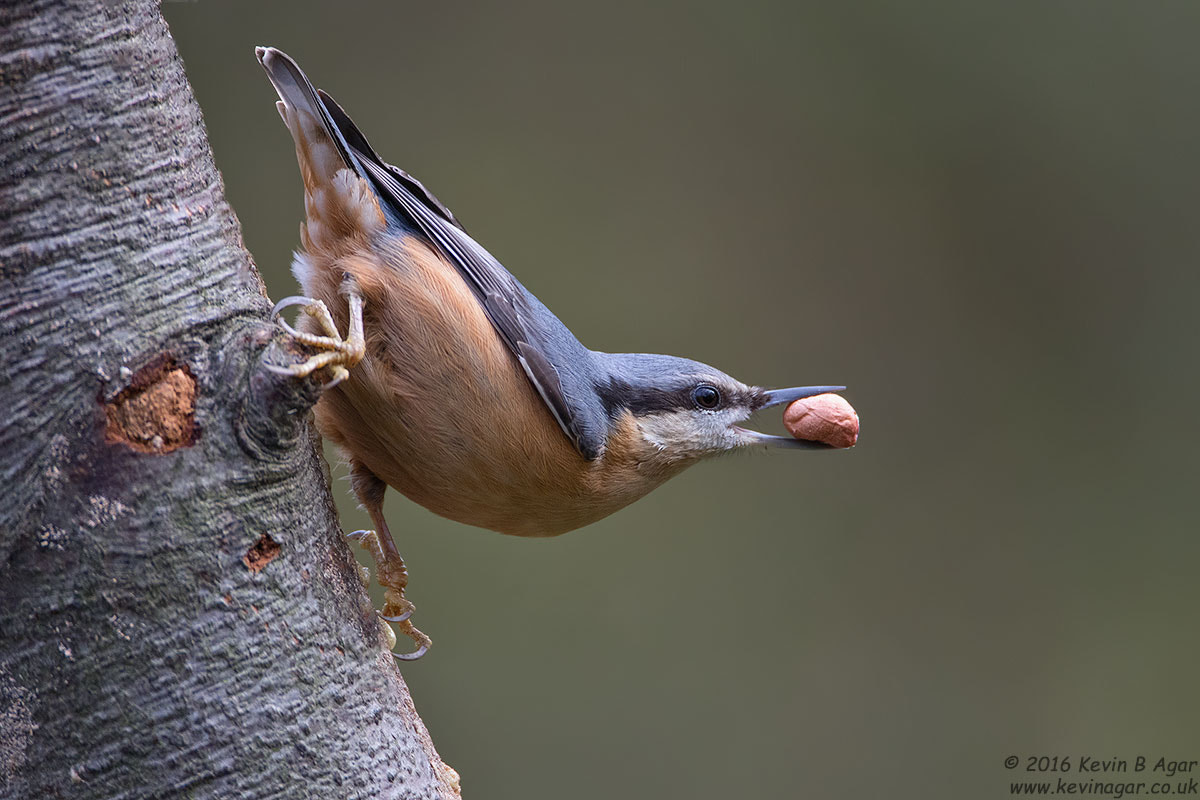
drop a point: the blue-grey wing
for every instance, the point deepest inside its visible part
(552, 358)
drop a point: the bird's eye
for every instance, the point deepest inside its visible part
(706, 396)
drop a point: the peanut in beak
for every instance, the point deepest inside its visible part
(825, 418)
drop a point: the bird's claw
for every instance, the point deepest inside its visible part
(339, 354)
(408, 629)
(408, 613)
(421, 640)
(413, 656)
(396, 610)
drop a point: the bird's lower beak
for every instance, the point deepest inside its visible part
(779, 397)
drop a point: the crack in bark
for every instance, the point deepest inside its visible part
(156, 412)
(261, 553)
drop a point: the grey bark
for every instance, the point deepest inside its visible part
(179, 614)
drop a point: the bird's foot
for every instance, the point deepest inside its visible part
(393, 577)
(338, 354)
(396, 610)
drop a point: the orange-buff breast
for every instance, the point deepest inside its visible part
(440, 410)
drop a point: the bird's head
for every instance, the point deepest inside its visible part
(685, 410)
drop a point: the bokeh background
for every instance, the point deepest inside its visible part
(980, 217)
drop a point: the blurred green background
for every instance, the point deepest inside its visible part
(979, 217)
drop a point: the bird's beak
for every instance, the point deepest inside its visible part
(779, 397)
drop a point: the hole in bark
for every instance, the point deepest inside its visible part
(261, 553)
(156, 412)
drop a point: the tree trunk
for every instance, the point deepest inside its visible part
(179, 612)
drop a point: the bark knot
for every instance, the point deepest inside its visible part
(156, 412)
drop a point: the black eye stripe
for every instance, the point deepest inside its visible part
(617, 396)
(641, 400)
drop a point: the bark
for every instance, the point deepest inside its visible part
(179, 612)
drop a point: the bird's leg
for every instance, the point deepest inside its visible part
(339, 354)
(389, 566)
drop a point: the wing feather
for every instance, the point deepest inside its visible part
(503, 299)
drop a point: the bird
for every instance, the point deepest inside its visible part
(457, 387)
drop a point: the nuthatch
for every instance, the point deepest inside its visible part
(467, 394)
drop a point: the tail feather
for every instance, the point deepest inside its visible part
(314, 117)
(336, 205)
(297, 96)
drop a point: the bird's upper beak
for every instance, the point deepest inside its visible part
(779, 397)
